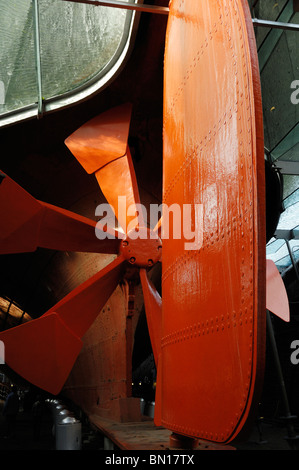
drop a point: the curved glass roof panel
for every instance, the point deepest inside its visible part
(77, 42)
(54, 53)
(17, 56)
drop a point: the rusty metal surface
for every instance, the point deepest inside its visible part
(213, 328)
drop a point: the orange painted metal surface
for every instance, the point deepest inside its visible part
(117, 180)
(102, 139)
(43, 351)
(27, 224)
(55, 228)
(276, 295)
(101, 147)
(213, 327)
(208, 336)
(140, 247)
(101, 376)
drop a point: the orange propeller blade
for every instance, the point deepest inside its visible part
(101, 147)
(65, 231)
(153, 310)
(42, 351)
(51, 344)
(102, 139)
(158, 228)
(276, 296)
(27, 224)
(119, 185)
(79, 309)
(20, 216)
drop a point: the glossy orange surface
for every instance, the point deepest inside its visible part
(56, 335)
(43, 351)
(118, 184)
(208, 334)
(276, 295)
(93, 293)
(117, 179)
(20, 216)
(213, 326)
(51, 344)
(27, 224)
(102, 139)
(153, 307)
(142, 248)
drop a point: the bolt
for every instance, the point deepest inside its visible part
(132, 260)
(125, 243)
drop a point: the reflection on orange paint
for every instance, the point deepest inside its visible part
(208, 334)
(213, 299)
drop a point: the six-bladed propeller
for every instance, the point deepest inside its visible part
(51, 343)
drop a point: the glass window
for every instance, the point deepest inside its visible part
(77, 48)
(17, 57)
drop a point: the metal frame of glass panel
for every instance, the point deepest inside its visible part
(105, 76)
(82, 92)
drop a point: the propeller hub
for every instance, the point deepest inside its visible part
(141, 247)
